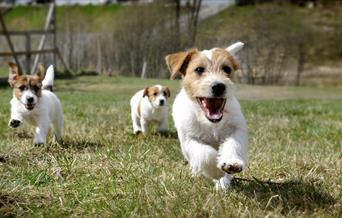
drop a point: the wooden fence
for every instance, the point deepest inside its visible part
(32, 55)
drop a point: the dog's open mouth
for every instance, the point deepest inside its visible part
(212, 108)
(29, 106)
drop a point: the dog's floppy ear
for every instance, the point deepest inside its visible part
(167, 90)
(145, 92)
(178, 62)
(13, 73)
(40, 71)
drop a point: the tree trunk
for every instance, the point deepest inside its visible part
(301, 61)
(177, 24)
(196, 7)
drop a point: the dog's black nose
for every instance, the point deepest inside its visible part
(161, 102)
(218, 89)
(30, 100)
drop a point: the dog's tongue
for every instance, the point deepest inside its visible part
(213, 108)
(29, 106)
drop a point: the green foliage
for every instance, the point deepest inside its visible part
(102, 169)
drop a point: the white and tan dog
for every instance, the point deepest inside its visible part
(150, 105)
(210, 125)
(34, 102)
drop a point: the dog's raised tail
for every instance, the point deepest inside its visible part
(48, 79)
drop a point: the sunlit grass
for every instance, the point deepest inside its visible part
(102, 169)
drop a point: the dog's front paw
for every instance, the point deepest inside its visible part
(14, 123)
(137, 131)
(231, 167)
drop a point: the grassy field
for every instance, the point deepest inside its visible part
(28, 18)
(102, 169)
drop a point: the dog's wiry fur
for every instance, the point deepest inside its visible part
(210, 125)
(34, 103)
(150, 105)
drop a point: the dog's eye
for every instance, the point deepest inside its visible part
(199, 70)
(227, 69)
(22, 88)
(155, 94)
(36, 88)
(164, 93)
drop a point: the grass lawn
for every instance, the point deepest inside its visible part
(102, 169)
(28, 17)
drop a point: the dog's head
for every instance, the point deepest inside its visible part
(207, 77)
(26, 88)
(157, 95)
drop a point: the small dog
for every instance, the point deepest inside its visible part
(149, 105)
(210, 125)
(34, 102)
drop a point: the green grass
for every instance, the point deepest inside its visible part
(317, 27)
(3, 71)
(102, 169)
(239, 21)
(92, 18)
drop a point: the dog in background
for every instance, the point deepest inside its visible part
(210, 125)
(150, 106)
(34, 102)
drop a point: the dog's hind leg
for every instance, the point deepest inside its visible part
(58, 126)
(135, 124)
(144, 125)
(41, 132)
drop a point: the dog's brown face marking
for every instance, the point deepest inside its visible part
(153, 91)
(206, 78)
(21, 83)
(196, 67)
(166, 91)
(27, 82)
(157, 95)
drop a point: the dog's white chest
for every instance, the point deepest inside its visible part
(212, 134)
(188, 119)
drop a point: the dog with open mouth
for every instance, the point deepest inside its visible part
(210, 125)
(34, 102)
(149, 105)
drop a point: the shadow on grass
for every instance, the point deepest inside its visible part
(9, 205)
(2, 159)
(172, 150)
(80, 144)
(4, 82)
(17, 205)
(288, 195)
(165, 134)
(168, 134)
(24, 134)
(20, 133)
